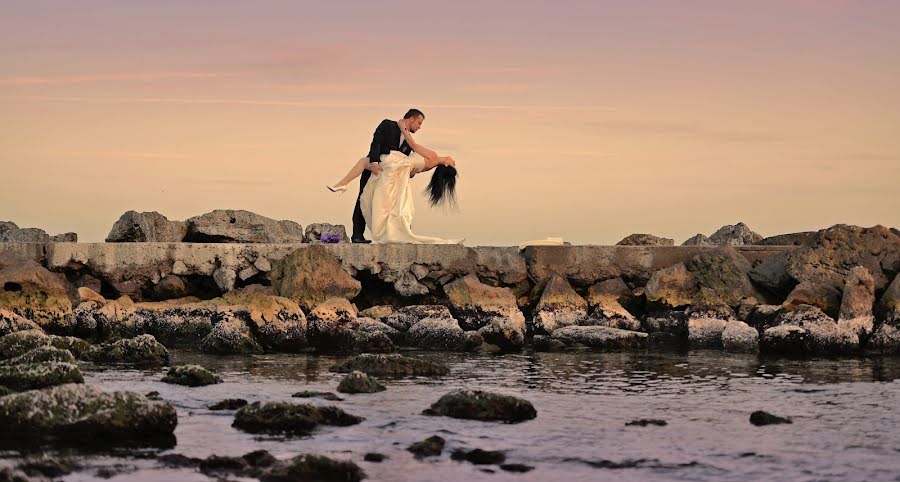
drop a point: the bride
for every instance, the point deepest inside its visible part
(387, 200)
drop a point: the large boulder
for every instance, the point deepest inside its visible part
(724, 273)
(238, 226)
(146, 227)
(277, 322)
(607, 311)
(600, 338)
(314, 232)
(822, 296)
(391, 365)
(492, 310)
(740, 337)
(359, 382)
(30, 290)
(672, 287)
(11, 322)
(231, 336)
(12, 233)
(84, 415)
(558, 306)
(736, 235)
(857, 302)
(33, 376)
(289, 418)
(639, 239)
(805, 331)
(826, 259)
(616, 289)
(191, 376)
(792, 239)
(141, 350)
(20, 342)
(312, 275)
(481, 405)
(443, 334)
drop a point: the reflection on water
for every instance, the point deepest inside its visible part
(844, 411)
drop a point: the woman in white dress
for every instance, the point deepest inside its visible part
(387, 200)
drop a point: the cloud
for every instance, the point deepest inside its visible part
(20, 81)
(684, 129)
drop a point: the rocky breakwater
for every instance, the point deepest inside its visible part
(252, 297)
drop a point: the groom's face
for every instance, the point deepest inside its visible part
(416, 123)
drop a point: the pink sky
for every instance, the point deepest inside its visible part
(585, 120)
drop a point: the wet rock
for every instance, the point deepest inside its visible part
(480, 405)
(374, 457)
(857, 302)
(228, 404)
(479, 456)
(217, 465)
(672, 287)
(558, 306)
(493, 310)
(367, 341)
(359, 382)
(643, 422)
(600, 338)
(516, 468)
(48, 466)
(724, 273)
(740, 337)
(322, 395)
(760, 418)
(808, 331)
(260, 458)
(378, 312)
(315, 231)
(824, 297)
(239, 226)
(405, 317)
(888, 308)
(32, 376)
(278, 323)
(289, 418)
(146, 227)
(430, 447)
(76, 346)
(20, 342)
(179, 460)
(85, 415)
(370, 325)
(645, 240)
(885, 340)
(392, 365)
(191, 376)
(312, 275)
(314, 467)
(442, 334)
(764, 316)
(698, 240)
(331, 317)
(230, 337)
(736, 235)
(8, 474)
(11, 322)
(141, 350)
(31, 291)
(705, 333)
(545, 343)
(41, 354)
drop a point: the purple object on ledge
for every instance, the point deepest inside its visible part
(330, 238)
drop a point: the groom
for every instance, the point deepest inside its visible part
(387, 138)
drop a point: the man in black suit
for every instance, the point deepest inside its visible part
(387, 138)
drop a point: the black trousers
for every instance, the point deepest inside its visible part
(359, 222)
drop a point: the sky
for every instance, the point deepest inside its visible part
(587, 120)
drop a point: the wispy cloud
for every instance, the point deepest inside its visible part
(20, 81)
(300, 104)
(684, 129)
(136, 155)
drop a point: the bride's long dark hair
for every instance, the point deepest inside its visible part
(442, 187)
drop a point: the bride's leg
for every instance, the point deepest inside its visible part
(355, 172)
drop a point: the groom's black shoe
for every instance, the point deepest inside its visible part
(360, 240)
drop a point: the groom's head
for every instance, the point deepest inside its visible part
(414, 119)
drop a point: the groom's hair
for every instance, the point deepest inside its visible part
(413, 113)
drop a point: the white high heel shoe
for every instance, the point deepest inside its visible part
(337, 188)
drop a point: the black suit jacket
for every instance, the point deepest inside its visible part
(386, 139)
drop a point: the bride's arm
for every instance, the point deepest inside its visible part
(416, 147)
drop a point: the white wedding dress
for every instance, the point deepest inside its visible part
(387, 202)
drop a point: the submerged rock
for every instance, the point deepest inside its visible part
(289, 418)
(760, 418)
(391, 365)
(228, 404)
(314, 467)
(315, 394)
(430, 447)
(31, 376)
(479, 456)
(41, 354)
(600, 337)
(374, 457)
(643, 422)
(141, 350)
(480, 405)
(705, 333)
(359, 382)
(191, 376)
(85, 415)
